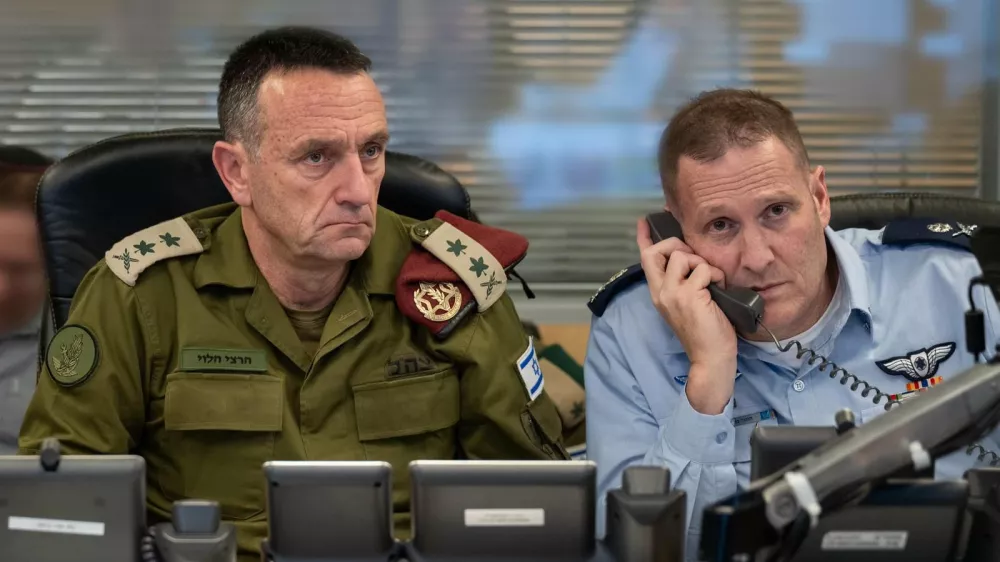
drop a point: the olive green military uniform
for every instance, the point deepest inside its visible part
(192, 363)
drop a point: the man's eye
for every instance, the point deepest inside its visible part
(778, 210)
(719, 225)
(315, 158)
(372, 151)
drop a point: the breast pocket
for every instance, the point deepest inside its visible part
(744, 422)
(220, 429)
(403, 420)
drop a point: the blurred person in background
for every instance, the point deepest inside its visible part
(22, 287)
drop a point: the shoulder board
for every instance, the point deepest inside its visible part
(906, 232)
(456, 266)
(134, 253)
(618, 283)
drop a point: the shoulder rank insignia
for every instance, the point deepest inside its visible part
(460, 265)
(618, 282)
(133, 254)
(905, 232)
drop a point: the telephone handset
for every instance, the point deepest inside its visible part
(742, 306)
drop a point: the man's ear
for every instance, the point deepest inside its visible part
(231, 163)
(820, 194)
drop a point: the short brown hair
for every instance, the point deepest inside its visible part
(715, 121)
(20, 170)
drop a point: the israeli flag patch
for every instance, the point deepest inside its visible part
(531, 372)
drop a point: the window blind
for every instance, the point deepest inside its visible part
(548, 111)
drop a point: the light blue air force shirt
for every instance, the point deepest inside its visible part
(897, 316)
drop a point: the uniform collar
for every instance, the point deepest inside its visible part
(227, 259)
(853, 272)
(384, 257)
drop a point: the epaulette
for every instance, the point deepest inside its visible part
(618, 283)
(134, 253)
(906, 232)
(456, 266)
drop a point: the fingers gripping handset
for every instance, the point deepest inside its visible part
(743, 307)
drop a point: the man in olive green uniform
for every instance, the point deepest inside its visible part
(286, 325)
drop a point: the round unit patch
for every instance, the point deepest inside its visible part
(72, 355)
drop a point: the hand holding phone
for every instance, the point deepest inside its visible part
(742, 306)
(684, 288)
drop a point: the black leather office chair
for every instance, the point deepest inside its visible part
(104, 192)
(875, 210)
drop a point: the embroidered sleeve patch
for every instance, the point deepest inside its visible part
(530, 371)
(72, 355)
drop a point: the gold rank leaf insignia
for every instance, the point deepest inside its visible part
(72, 355)
(438, 302)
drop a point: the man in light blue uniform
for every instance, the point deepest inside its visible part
(670, 383)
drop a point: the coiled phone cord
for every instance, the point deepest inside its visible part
(147, 548)
(846, 376)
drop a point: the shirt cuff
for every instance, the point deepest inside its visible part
(700, 437)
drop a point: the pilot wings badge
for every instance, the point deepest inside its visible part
(918, 365)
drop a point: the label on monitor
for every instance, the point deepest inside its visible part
(504, 517)
(60, 526)
(864, 540)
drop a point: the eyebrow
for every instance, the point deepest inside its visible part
(337, 146)
(771, 198)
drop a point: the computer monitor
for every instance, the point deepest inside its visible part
(525, 510)
(329, 510)
(983, 529)
(899, 521)
(776, 446)
(89, 509)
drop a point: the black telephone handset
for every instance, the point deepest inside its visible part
(742, 306)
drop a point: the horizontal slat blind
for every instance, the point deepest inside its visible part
(547, 110)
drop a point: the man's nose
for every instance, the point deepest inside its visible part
(355, 188)
(757, 255)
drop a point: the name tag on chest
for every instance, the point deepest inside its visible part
(754, 418)
(202, 359)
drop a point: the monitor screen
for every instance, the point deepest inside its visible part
(91, 508)
(329, 509)
(774, 447)
(898, 521)
(497, 509)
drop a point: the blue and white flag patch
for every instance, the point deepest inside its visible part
(531, 372)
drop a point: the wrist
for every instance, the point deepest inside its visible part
(709, 389)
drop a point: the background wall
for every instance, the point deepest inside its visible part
(549, 111)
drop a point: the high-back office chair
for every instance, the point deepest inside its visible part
(102, 193)
(875, 210)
